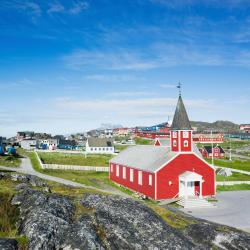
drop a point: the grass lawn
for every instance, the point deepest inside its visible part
(121, 147)
(234, 187)
(10, 161)
(9, 214)
(236, 164)
(234, 177)
(75, 159)
(142, 141)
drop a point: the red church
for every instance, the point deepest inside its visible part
(166, 170)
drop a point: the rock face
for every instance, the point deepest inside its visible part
(48, 222)
(8, 244)
(127, 224)
(217, 236)
(56, 222)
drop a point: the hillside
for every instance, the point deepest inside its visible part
(219, 126)
(82, 220)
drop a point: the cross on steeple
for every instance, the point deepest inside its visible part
(179, 87)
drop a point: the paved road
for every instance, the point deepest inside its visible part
(26, 168)
(233, 209)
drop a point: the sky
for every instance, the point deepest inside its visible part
(69, 66)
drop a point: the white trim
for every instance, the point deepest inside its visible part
(150, 180)
(179, 140)
(203, 160)
(131, 170)
(166, 163)
(124, 169)
(155, 186)
(140, 178)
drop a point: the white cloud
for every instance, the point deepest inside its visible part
(78, 7)
(55, 8)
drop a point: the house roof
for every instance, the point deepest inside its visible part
(147, 158)
(100, 142)
(164, 142)
(209, 149)
(181, 120)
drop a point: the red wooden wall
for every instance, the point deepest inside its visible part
(145, 188)
(171, 173)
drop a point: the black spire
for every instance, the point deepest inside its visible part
(181, 121)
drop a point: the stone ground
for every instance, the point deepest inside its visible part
(233, 209)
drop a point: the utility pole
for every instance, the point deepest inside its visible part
(212, 147)
(230, 150)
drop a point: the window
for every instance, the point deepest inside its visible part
(124, 172)
(185, 134)
(174, 134)
(111, 168)
(131, 175)
(91, 149)
(150, 180)
(174, 143)
(186, 143)
(117, 170)
(140, 177)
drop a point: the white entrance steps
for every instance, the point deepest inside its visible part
(194, 202)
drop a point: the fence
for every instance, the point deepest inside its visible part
(231, 183)
(72, 167)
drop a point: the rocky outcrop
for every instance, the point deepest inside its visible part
(55, 222)
(48, 222)
(28, 179)
(8, 244)
(216, 236)
(127, 224)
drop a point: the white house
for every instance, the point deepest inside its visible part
(28, 144)
(100, 146)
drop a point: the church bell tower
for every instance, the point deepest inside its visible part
(181, 132)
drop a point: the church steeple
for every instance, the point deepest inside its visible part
(181, 120)
(181, 130)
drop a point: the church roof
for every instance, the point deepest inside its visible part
(142, 157)
(181, 120)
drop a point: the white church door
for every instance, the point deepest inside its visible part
(182, 190)
(188, 190)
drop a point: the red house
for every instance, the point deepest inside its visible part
(166, 172)
(216, 152)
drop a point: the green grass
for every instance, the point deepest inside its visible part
(236, 164)
(173, 219)
(142, 141)
(234, 177)
(10, 161)
(75, 159)
(121, 147)
(237, 187)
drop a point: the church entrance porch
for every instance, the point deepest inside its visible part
(190, 184)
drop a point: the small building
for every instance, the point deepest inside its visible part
(164, 142)
(28, 144)
(162, 172)
(49, 143)
(245, 128)
(216, 152)
(100, 146)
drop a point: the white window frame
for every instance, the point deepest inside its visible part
(140, 178)
(185, 134)
(174, 134)
(124, 172)
(131, 177)
(150, 179)
(117, 170)
(186, 144)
